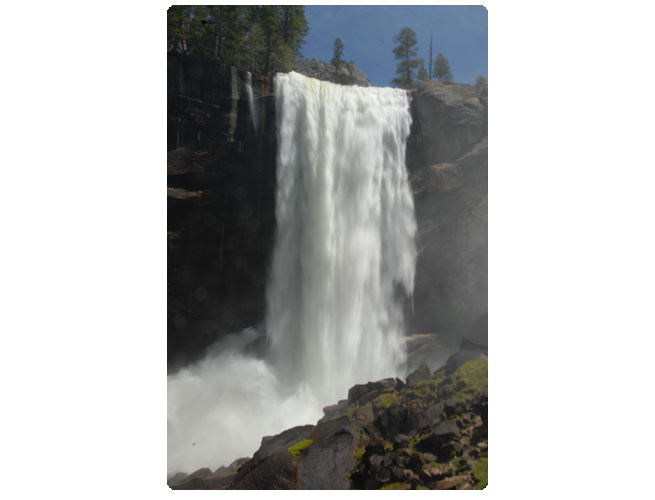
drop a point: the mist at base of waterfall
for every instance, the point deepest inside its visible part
(220, 407)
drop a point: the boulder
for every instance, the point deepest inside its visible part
(392, 421)
(452, 407)
(420, 374)
(435, 412)
(441, 434)
(401, 441)
(417, 420)
(272, 466)
(450, 483)
(276, 472)
(330, 457)
(357, 392)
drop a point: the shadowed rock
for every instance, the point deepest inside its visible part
(440, 435)
(420, 374)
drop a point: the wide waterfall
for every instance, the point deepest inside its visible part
(343, 260)
(345, 234)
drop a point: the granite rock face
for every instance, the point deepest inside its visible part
(348, 73)
(447, 162)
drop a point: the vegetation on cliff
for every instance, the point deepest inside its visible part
(264, 38)
(442, 69)
(405, 51)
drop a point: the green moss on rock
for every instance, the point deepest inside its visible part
(396, 486)
(480, 471)
(385, 400)
(429, 387)
(471, 379)
(297, 448)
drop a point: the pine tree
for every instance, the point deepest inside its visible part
(337, 61)
(259, 38)
(406, 51)
(423, 73)
(442, 69)
(185, 29)
(293, 29)
(337, 57)
(225, 32)
(254, 49)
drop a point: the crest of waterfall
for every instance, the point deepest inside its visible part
(344, 245)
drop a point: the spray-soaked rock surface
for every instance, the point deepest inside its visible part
(428, 432)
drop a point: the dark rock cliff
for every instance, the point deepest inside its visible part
(221, 198)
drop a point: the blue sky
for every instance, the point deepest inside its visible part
(459, 32)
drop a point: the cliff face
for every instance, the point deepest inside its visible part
(447, 162)
(221, 195)
(221, 198)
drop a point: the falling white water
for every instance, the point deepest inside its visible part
(344, 254)
(251, 101)
(345, 234)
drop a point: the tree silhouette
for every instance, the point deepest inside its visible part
(406, 51)
(442, 69)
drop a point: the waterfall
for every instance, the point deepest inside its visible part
(345, 234)
(344, 255)
(251, 101)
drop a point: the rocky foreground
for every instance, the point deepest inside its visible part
(428, 432)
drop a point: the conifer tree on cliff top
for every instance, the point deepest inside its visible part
(442, 69)
(406, 51)
(337, 61)
(264, 38)
(423, 73)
